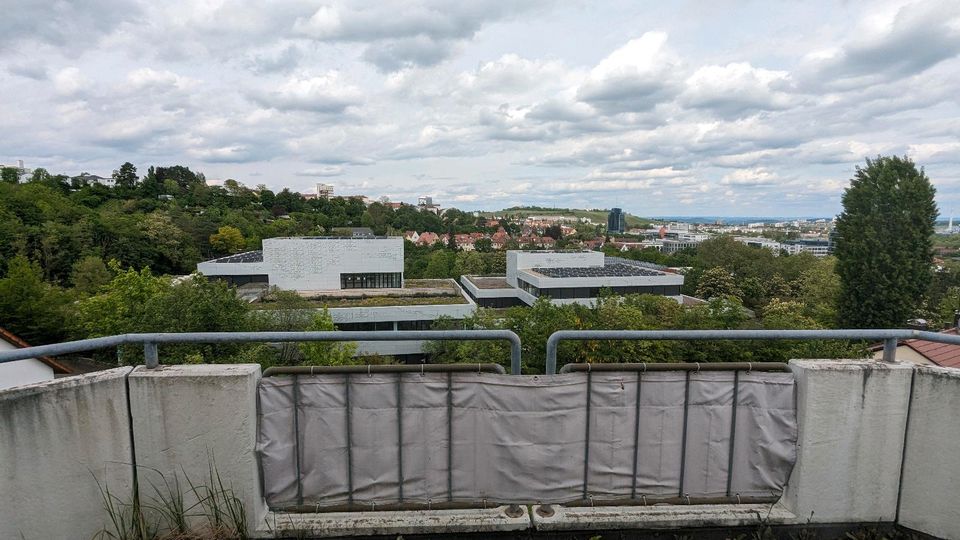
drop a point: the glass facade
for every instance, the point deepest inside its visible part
(387, 280)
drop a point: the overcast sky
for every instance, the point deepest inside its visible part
(686, 108)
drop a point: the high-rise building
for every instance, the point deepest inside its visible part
(616, 221)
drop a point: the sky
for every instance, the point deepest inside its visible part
(662, 108)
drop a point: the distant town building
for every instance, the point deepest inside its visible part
(616, 221)
(23, 173)
(324, 191)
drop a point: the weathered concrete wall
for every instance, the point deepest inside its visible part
(187, 418)
(931, 476)
(58, 439)
(851, 417)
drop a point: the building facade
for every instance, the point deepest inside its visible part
(315, 264)
(616, 221)
(569, 277)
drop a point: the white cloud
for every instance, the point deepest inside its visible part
(736, 89)
(326, 93)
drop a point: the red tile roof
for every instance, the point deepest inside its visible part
(941, 354)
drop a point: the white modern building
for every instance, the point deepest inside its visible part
(569, 277)
(315, 264)
(325, 191)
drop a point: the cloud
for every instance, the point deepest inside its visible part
(325, 93)
(403, 34)
(74, 26)
(635, 77)
(33, 71)
(71, 83)
(749, 177)
(908, 41)
(737, 89)
(333, 170)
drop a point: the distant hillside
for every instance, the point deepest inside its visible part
(597, 215)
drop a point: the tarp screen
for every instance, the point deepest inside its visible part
(467, 437)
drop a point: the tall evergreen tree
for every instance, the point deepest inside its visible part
(883, 247)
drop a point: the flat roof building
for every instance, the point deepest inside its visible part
(569, 277)
(315, 264)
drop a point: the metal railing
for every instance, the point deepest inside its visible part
(888, 337)
(151, 356)
(150, 342)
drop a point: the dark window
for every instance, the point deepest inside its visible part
(374, 280)
(365, 326)
(414, 325)
(242, 280)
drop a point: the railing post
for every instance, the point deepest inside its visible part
(890, 350)
(150, 355)
(514, 354)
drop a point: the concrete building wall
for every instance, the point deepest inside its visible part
(931, 476)
(58, 439)
(851, 417)
(213, 268)
(313, 264)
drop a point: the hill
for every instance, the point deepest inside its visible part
(596, 215)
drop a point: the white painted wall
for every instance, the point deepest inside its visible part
(851, 417)
(57, 440)
(313, 264)
(931, 474)
(22, 372)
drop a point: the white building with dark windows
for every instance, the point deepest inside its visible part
(569, 277)
(315, 264)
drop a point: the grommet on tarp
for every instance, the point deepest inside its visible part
(591, 499)
(429, 504)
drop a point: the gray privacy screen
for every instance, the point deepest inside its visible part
(523, 438)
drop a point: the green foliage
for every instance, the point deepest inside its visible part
(29, 307)
(89, 274)
(228, 240)
(717, 283)
(884, 249)
(135, 302)
(326, 353)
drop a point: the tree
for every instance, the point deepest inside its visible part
(326, 353)
(10, 175)
(469, 263)
(717, 283)
(126, 176)
(89, 274)
(29, 307)
(439, 265)
(228, 240)
(883, 247)
(483, 245)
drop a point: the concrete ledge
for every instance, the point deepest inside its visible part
(188, 418)
(659, 517)
(59, 439)
(851, 417)
(374, 523)
(931, 476)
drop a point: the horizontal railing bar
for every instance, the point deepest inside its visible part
(384, 368)
(448, 505)
(888, 336)
(70, 347)
(678, 366)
